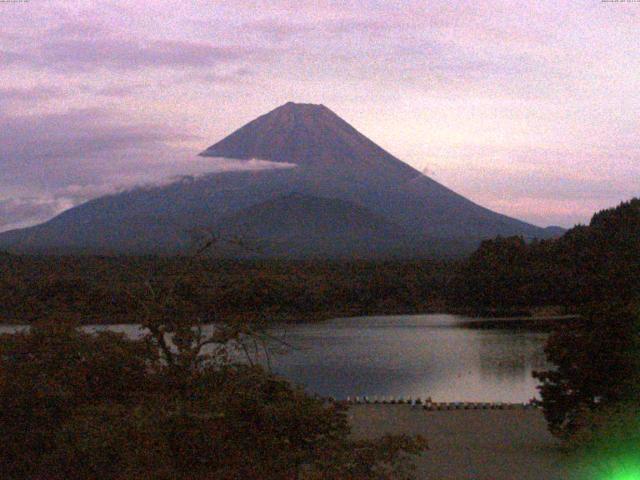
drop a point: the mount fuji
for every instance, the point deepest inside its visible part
(337, 195)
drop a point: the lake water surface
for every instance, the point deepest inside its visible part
(408, 355)
(416, 355)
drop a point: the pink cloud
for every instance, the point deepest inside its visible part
(30, 94)
(111, 53)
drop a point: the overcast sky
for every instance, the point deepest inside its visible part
(528, 108)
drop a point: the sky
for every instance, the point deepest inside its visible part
(528, 108)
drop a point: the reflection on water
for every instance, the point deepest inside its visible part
(419, 355)
(513, 356)
(416, 355)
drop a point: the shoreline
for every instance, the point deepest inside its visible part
(429, 405)
(470, 321)
(541, 323)
(501, 444)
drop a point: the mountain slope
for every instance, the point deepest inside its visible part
(314, 137)
(300, 226)
(337, 160)
(333, 161)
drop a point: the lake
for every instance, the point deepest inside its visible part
(407, 356)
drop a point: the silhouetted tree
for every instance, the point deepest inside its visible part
(596, 364)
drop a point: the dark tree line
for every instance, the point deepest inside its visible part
(587, 264)
(95, 289)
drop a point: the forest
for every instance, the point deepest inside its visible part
(504, 276)
(588, 263)
(96, 290)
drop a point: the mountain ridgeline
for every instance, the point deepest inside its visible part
(345, 197)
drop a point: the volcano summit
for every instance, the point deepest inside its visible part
(343, 197)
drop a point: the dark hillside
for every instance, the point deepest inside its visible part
(587, 264)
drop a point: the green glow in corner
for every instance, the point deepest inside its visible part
(622, 469)
(601, 466)
(633, 475)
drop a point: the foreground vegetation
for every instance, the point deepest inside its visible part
(172, 405)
